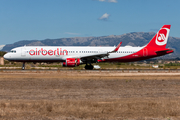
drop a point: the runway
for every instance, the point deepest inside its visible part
(42, 69)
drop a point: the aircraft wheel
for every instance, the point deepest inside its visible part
(23, 66)
(89, 67)
(86, 67)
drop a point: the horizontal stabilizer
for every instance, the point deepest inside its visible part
(165, 51)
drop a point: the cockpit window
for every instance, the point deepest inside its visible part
(13, 51)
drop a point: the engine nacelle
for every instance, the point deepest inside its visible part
(71, 62)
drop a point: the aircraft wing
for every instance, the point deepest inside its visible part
(101, 54)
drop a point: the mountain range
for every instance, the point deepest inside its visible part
(130, 39)
(1, 47)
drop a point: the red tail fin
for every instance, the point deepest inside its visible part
(160, 39)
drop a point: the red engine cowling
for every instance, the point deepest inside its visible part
(71, 62)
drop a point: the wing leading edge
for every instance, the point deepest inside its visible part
(101, 54)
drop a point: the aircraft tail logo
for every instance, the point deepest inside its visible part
(162, 36)
(159, 41)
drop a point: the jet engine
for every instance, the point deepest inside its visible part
(71, 62)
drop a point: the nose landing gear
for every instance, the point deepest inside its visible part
(23, 66)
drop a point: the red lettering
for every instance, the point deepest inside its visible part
(39, 52)
(54, 52)
(58, 51)
(32, 52)
(36, 51)
(44, 52)
(65, 51)
(50, 52)
(61, 51)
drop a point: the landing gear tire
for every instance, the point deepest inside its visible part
(23, 66)
(89, 67)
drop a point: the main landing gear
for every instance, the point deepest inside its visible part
(23, 66)
(89, 67)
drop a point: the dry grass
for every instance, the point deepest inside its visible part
(79, 95)
(120, 109)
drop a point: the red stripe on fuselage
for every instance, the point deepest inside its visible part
(140, 55)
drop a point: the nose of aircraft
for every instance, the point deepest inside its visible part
(6, 56)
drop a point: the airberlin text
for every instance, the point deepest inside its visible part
(50, 52)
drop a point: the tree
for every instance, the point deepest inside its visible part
(2, 53)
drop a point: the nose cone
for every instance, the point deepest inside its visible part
(6, 56)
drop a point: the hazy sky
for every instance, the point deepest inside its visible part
(42, 19)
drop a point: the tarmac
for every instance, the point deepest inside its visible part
(18, 69)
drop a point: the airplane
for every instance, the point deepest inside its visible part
(73, 56)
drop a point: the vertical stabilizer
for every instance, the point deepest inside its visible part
(159, 41)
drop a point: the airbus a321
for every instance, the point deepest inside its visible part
(72, 56)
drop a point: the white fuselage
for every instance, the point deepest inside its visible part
(60, 53)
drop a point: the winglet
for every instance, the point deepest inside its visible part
(117, 48)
